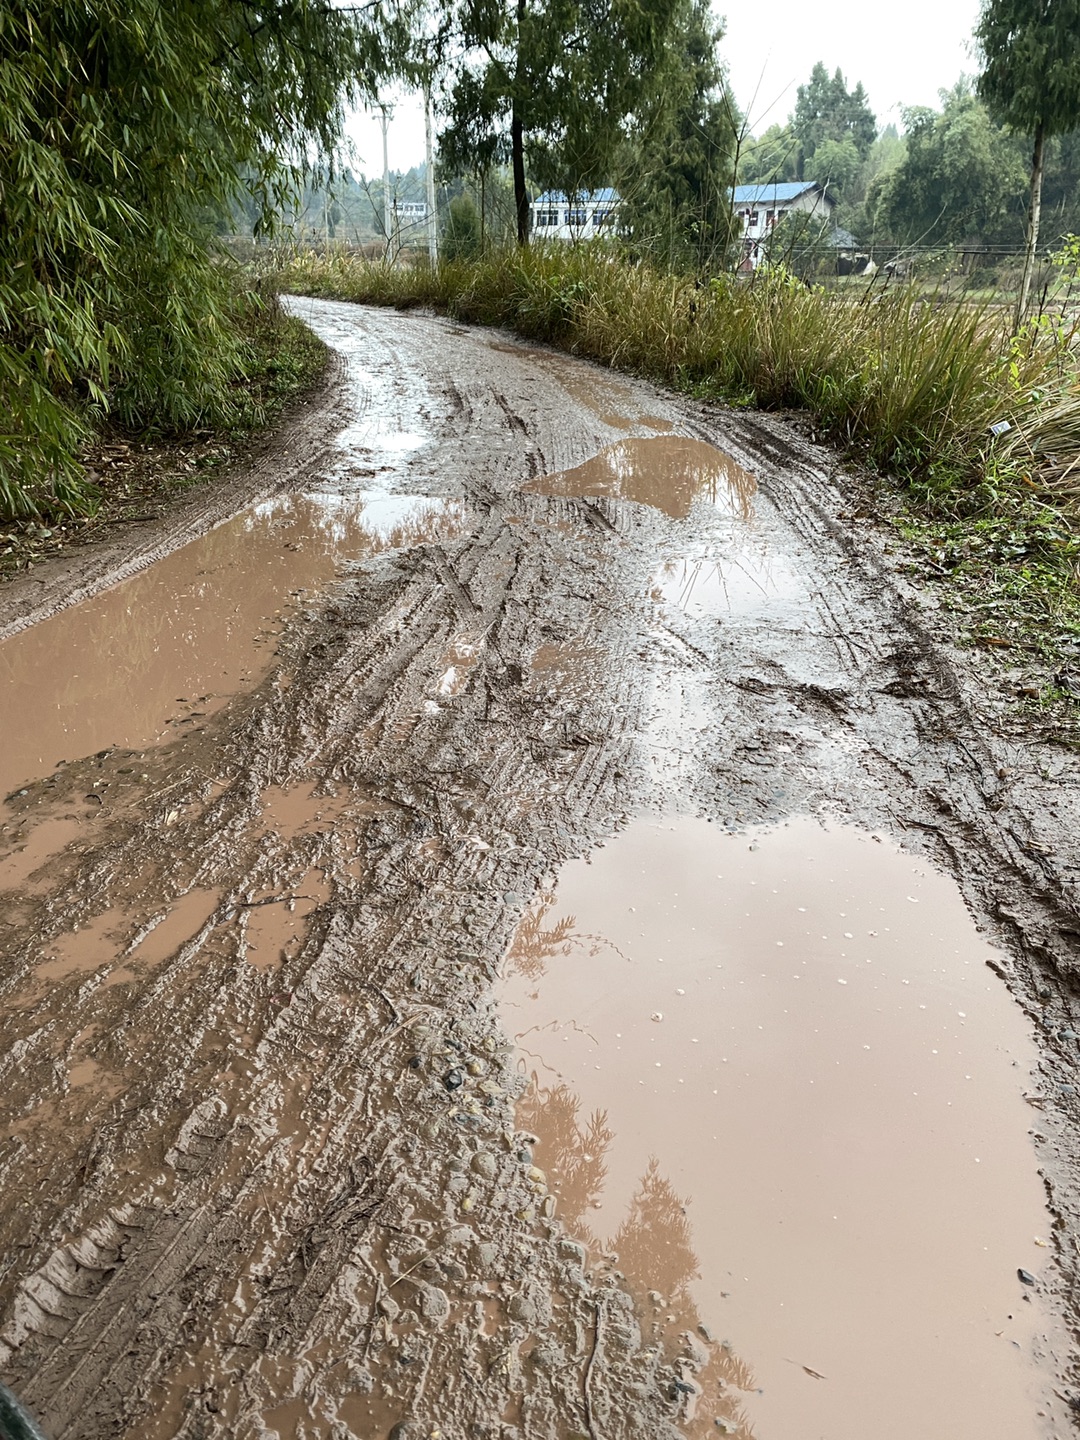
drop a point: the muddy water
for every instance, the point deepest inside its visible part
(167, 647)
(773, 1077)
(668, 472)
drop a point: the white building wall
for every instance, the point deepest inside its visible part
(574, 222)
(759, 221)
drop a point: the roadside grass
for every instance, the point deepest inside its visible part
(137, 476)
(908, 385)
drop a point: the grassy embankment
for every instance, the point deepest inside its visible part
(908, 389)
(136, 475)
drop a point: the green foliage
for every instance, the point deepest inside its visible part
(827, 111)
(676, 171)
(772, 157)
(461, 236)
(960, 176)
(836, 164)
(1031, 82)
(125, 128)
(1031, 63)
(550, 83)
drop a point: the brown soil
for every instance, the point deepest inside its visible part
(262, 1127)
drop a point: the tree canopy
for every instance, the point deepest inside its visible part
(550, 82)
(1031, 63)
(126, 126)
(958, 178)
(1031, 82)
(827, 111)
(677, 169)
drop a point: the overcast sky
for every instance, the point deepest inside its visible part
(902, 55)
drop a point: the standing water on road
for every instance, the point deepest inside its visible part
(668, 472)
(170, 645)
(775, 1084)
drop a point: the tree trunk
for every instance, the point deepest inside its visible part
(1033, 224)
(517, 143)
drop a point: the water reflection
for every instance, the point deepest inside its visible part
(738, 581)
(652, 1248)
(533, 945)
(170, 645)
(773, 1073)
(668, 472)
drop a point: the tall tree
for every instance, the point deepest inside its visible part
(770, 157)
(550, 83)
(826, 109)
(677, 170)
(1031, 82)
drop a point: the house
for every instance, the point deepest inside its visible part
(410, 213)
(585, 216)
(760, 208)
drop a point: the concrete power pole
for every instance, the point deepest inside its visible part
(429, 176)
(385, 112)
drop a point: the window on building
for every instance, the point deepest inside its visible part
(603, 217)
(546, 218)
(770, 218)
(754, 217)
(577, 218)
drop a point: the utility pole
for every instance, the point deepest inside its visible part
(429, 177)
(385, 112)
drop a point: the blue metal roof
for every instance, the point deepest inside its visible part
(590, 197)
(777, 193)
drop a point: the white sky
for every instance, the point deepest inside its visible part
(902, 55)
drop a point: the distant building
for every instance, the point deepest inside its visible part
(410, 212)
(584, 217)
(760, 208)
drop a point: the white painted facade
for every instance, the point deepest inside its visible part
(760, 208)
(585, 217)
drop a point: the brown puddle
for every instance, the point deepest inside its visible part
(566, 668)
(300, 808)
(183, 922)
(42, 842)
(773, 1073)
(158, 652)
(667, 472)
(276, 929)
(86, 948)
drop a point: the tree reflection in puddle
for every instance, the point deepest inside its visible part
(652, 1248)
(774, 1074)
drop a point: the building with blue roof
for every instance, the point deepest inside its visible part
(761, 208)
(587, 216)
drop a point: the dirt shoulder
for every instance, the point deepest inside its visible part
(259, 1109)
(156, 496)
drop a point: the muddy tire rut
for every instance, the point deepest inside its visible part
(263, 1170)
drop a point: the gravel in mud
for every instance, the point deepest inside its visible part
(263, 1168)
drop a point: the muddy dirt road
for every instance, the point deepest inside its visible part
(528, 931)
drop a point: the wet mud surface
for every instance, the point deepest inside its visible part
(274, 1164)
